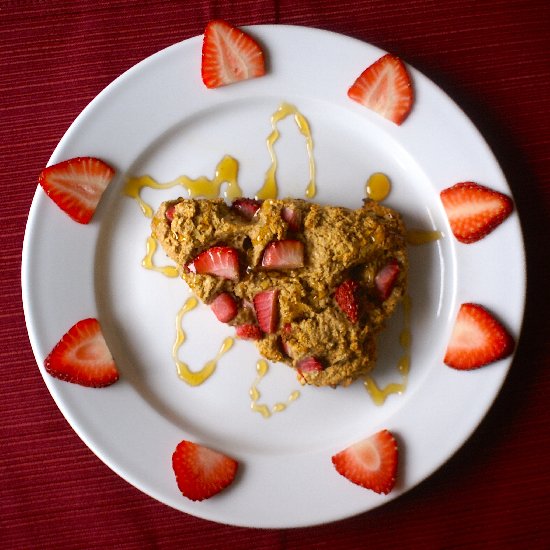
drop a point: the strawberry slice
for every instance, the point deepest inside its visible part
(474, 210)
(220, 261)
(224, 307)
(247, 208)
(201, 472)
(309, 364)
(284, 254)
(292, 217)
(346, 296)
(76, 185)
(386, 88)
(82, 357)
(477, 339)
(266, 306)
(370, 463)
(249, 331)
(229, 55)
(385, 279)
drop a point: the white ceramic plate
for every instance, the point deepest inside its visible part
(159, 119)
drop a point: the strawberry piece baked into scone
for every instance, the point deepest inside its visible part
(311, 285)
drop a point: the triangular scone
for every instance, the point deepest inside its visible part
(313, 285)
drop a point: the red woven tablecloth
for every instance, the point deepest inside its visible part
(491, 56)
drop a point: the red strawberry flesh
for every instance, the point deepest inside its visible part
(266, 307)
(220, 261)
(76, 185)
(292, 217)
(284, 254)
(370, 463)
(346, 296)
(248, 331)
(246, 208)
(309, 365)
(386, 88)
(386, 278)
(229, 55)
(202, 472)
(477, 339)
(225, 307)
(474, 210)
(82, 357)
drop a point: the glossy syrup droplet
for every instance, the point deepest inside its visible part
(378, 187)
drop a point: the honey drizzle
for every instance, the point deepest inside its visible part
(378, 186)
(379, 395)
(270, 188)
(148, 263)
(227, 171)
(262, 368)
(420, 236)
(194, 378)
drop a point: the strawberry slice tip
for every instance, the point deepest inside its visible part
(386, 88)
(246, 208)
(370, 463)
(284, 254)
(477, 339)
(225, 307)
(474, 210)
(309, 365)
(76, 185)
(266, 307)
(220, 261)
(229, 55)
(82, 357)
(202, 472)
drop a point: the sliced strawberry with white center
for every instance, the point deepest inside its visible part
(220, 261)
(225, 307)
(346, 296)
(248, 331)
(82, 357)
(246, 208)
(229, 55)
(201, 472)
(285, 254)
(370, 463)
(76, 185)
(474, 210)
(266, 306)
(386, 278)
(477, 339)
(309, 365)
(386, 88)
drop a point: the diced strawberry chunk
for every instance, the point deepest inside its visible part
(169, 214)
(202, 472)
(386, 278)
(346, 296)
(284, 254)
(370, 463)
(220, 261)
(249, 331)
(225, 307)
(246, 208)
(309, 365)
(266, 306)
(292, 217)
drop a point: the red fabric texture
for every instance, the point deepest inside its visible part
(491, 57)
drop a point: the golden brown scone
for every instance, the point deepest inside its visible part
(313, 285)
